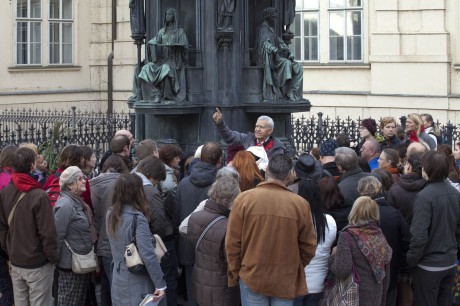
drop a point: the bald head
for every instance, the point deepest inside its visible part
(415, 147)
(370, 149)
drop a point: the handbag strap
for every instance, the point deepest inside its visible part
(353, 266)
(134, 226)
(10, 216)
(68, 246)
(206, 229)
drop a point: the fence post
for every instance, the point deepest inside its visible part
(319, 139)
(74, 114)
(450, 133)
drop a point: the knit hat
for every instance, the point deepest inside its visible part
(327, 148)
(307, 167)
(260, 155)
(68, 174)
(370, 125)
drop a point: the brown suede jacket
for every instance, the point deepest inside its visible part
(270, 239)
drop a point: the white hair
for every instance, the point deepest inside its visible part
(269, 120)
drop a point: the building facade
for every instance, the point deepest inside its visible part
(360, 58)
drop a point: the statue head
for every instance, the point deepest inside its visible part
(171, 17)
(270, 14)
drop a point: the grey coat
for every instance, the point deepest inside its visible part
(247, 140)
(101, 196)
(72, 225)
(128, 288)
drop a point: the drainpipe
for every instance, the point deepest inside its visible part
(110, 59)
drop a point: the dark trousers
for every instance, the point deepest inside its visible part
(169, 264)
(433, 288)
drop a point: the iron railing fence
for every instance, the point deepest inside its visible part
(51, 130)
(310, 132)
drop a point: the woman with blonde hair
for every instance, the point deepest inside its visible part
(363, 245)
(245, 163)
(388, 129)
(415, 132)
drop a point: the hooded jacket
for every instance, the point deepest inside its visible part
(101, 195)
(402, 194)
(190, 192)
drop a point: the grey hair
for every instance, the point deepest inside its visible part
(270, 122)
(224, 191)
(70, 181)
(346, 158)
(369, 186)
(227, 172)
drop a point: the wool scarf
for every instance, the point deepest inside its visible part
(24, 182)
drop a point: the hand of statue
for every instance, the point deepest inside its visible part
(217, 117)
(291, 57)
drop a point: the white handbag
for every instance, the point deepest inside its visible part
(82, 264)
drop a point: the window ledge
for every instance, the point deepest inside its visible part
(35, 68)
(336, 66)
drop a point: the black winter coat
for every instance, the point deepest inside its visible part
(190, 192)
(397, 234)
(209, 278)
(402, 194)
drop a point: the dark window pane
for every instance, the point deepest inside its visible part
(336, 49)
(54, 9)
(22, 9)
(354, 48)
(311, 24)
(21, 53)
(296, 47)
(353, 3)
(297, 24)
(67, 9)
(36, 8)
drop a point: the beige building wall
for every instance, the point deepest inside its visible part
(411, 63)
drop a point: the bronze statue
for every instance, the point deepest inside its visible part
(163, 77)
(282, 75)
(137, 18)
(225, 11)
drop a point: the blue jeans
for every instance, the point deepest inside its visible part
(250, 298)
(311, 299)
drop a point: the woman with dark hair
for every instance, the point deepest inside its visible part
(363, 245)
(245, 163)
(394, 228)
(75, 233)
(333, 201)
(389, 161)
(454, 172)
(431, 128)
(326, 231)
(89, 161)
(102, 187)
(6, 159)
(433, 248)
(210, 281)
(130, 208)
(385, 178)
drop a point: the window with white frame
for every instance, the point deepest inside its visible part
(306, 39)
(345, 30)
(60, 32)
(28, 32)
(44, 32)
(328, 31)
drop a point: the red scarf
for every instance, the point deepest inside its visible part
(413, 137)
(268, 145)
(24, 182)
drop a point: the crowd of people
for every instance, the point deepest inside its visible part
(259, 227)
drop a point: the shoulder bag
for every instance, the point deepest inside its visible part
(133, 260)
(342, 291)
(207, 229)
(82, 264)
(11, 215)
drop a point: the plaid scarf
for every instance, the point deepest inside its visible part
(373, 245)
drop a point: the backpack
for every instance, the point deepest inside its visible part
(54, 190)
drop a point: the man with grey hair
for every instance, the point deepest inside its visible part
(370, 150)
(261, 136)
(347, 163)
